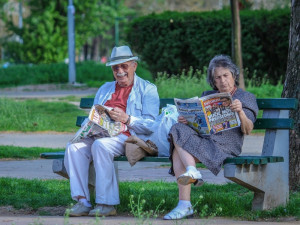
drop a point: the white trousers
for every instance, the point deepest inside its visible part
(102, 151)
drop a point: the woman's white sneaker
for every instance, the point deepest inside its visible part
(177, 214)
(190, 177)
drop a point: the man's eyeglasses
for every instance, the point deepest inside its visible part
(117, 67)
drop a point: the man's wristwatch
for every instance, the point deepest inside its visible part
(128, 120)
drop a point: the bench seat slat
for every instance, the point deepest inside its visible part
(256, 160)
(145, 159)
(53, 155)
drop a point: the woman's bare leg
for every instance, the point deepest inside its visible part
(179, 168)
(186, 158)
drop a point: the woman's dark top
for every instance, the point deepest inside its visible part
(212, 150)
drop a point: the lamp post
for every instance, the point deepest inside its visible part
(71, 43)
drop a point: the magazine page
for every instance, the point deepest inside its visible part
(100, 116)
(219, 114)
(90, 129)
(192, 110)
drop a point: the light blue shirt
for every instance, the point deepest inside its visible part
(142, 104)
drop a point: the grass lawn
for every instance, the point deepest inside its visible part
(37, 115)
(15, 152)
(230, 200)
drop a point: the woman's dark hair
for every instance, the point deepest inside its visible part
(225, 62)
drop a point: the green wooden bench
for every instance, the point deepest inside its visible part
(266, 174)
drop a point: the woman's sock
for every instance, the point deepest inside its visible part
(191, 168)
(85, 202)
(183, 204)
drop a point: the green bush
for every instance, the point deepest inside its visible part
(192, 83)
(172, 41)
(92, 73)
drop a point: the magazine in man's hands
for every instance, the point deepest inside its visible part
(99, 125)
(209, 114)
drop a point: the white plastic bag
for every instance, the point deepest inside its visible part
(161, 129)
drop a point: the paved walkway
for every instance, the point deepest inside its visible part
(31, 169)
(58, 220)
(46, 91)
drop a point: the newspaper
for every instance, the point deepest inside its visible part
(99, 125)
(209, 114)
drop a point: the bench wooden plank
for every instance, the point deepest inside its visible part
(52, 155)
(263, 103)
(256, 160)
(278, 123)
(86, 103)
(261, 123)
(80, 120)
(277, 103)
(145, 159)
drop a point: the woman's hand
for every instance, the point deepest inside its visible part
(118, 115)
(181, 119)
(246, 124)
(236, 106)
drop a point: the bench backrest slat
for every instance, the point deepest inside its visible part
(261, 123)
(266, 123)
(277, 103)
(263, 103)
(86, 103)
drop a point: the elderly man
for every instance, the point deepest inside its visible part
(136, 104)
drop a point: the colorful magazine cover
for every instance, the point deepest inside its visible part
(192, 110)
(209, 114)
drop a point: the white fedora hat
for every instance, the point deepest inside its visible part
(120, 55)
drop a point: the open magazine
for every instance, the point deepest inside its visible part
(209, 114)
(99, 125)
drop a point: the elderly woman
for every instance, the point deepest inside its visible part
(188, 147)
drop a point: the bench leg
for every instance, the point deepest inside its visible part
(267, 181)
(59, 168)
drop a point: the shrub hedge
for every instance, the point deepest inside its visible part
(172, 41)
(90, 72)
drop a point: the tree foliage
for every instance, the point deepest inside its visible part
(44, 33)
(173, 41)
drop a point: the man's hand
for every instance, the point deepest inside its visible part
(181, 119)
(118, 115)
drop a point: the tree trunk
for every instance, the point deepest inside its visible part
(236, 39)
(86, 51)
(291, 89)
(95, 49)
